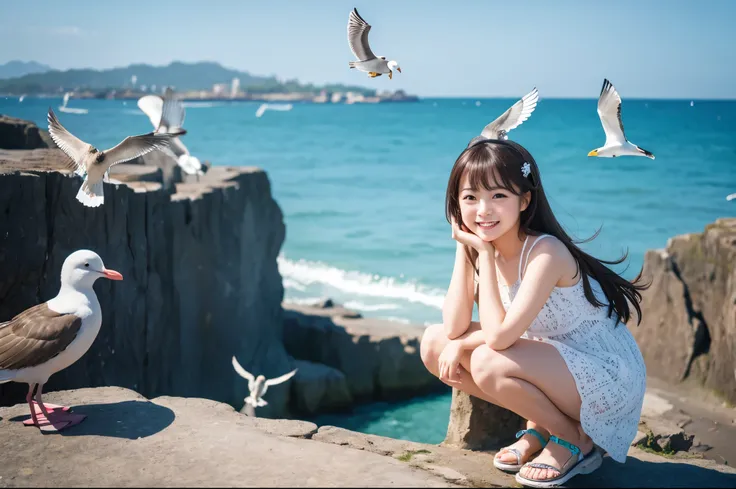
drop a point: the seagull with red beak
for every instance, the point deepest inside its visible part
(48, 337)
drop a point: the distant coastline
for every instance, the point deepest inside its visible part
(322, 97)
(202, 81)
(277, 97)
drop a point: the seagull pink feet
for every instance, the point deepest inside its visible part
(49, 407)
(59, 418)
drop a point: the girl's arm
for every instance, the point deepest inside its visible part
(457, 309)
(502, 328)
(471, 341)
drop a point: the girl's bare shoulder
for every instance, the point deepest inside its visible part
(551, 246)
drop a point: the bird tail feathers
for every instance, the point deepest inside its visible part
(91, 195)
(352, 64)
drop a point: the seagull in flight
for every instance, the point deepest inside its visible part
(167, 116)
(259, 385)
(511, 119)
(609, 110)
(368, 62)
(93, 164)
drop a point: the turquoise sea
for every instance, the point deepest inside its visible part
(362, 190)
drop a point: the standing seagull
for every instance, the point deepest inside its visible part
(259, 385)
(511, 119)
(609, 110)
(49, 337)
(167, 116)
(92, 164)
(358, 30)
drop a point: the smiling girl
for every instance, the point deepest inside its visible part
(551, 343)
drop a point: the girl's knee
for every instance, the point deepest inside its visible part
(486, 366)
(432, 344)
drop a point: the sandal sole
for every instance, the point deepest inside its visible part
(586, 466)
(506, 468)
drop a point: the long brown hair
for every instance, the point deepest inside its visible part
(484, 159)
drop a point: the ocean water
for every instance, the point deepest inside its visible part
(362, 190)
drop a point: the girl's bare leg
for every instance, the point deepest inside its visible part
(531, 379)
(433, 342)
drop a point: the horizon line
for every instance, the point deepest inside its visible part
(357, 85)
(474, 97)
(569, 97)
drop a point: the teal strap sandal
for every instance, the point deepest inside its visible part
(576, 464)
(517, 466)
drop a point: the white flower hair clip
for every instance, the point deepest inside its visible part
(526, 169)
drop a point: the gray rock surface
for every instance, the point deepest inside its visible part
(127, 441)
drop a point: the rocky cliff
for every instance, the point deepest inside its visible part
(345, 358)
(21, 134)
(199, 261)
(688, 330)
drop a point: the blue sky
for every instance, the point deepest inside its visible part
(647, 48)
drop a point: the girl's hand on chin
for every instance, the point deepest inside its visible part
(466, 237)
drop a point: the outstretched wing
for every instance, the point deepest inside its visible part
(244, 373)
(74, 147)
(513, 117)
(281, 379)
(152, 106)
(134, 146)
(609, 110)
(172, 113)
(358, 30)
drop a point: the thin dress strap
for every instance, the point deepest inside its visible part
(521, 256)
(526, 262)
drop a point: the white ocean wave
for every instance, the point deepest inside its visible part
(303, 273)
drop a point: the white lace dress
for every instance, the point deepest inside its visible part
(603, 358)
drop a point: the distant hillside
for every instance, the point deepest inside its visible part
(14, 69)
(182, 76)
